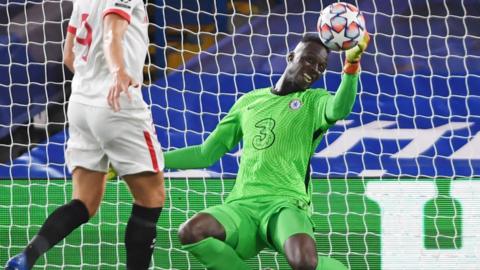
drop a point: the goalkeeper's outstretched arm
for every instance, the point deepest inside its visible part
(194, 157)
(340, 105)
(225, 136)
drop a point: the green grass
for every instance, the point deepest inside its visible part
(347, 223)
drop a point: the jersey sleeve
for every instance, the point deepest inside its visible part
(122, 8)
(226, 135)
(342, 103)
(75, 19)
(331, 108)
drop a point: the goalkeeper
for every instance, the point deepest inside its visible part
(281, 127)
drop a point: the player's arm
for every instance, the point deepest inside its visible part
(340, 106)
(114, 28)
(226, 135)
(68, 55)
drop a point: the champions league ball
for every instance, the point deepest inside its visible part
(341, 26)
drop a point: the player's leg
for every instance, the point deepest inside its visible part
(302, 242)
(291, 233)
(220, 237)
(82, 152)
(129, 141)
(199, 227)
(203, 236)
(148, 191)
(88, 188)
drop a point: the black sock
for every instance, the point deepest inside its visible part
(58, 225)
(140, 236)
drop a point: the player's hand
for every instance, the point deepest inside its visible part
(354, 54)
(121, 82)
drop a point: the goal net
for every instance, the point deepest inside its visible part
(395, 185)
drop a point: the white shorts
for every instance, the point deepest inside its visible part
(99, 135)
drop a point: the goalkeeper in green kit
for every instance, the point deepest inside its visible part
(281, 127)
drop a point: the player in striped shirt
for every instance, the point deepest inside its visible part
(109, 123)
(270, 204)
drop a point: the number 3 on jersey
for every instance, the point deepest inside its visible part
(266, 137)
(86, 41)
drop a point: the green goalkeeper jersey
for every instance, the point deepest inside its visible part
(280, 134)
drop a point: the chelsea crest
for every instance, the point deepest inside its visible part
(295, 104)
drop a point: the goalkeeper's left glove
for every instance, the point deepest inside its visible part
(111, 174)
(353, 55)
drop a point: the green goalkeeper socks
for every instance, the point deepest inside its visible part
(216, 255)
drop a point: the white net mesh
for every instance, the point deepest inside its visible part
(394, 184)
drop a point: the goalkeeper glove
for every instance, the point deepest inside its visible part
(353, 55)
(111, 174)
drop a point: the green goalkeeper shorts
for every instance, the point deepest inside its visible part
(253, 224)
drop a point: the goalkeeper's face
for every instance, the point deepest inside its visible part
(305, 65)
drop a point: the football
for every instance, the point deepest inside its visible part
(341, 26)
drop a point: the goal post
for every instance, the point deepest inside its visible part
(395, 185)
